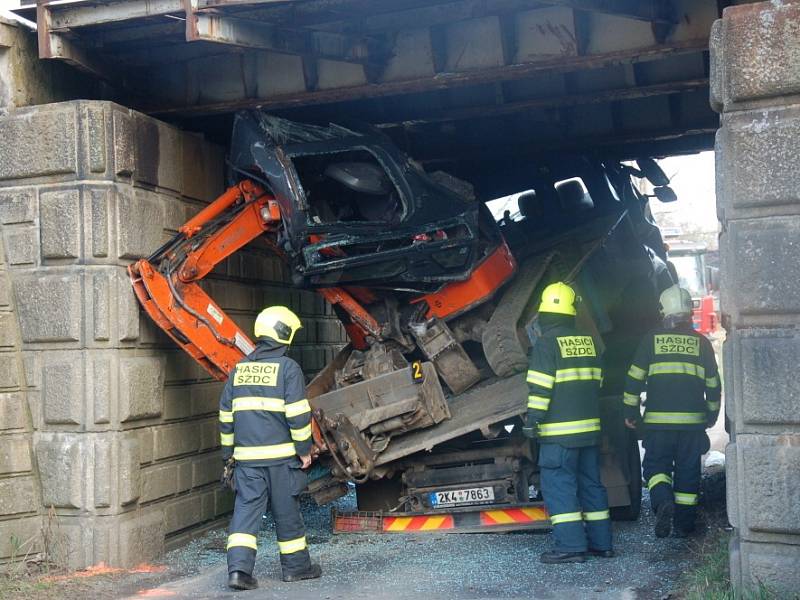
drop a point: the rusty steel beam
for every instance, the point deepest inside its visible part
(654, 11)
(84, 14)
(302, 14)
(264, 36)
(441, 81)
(325, 12)
(598, 97)
(58, 47)
(201, 4)
(394, 16)
(380, 16)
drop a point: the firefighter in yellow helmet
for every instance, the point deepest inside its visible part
(564, 379)
(265, 431)
(677, 368)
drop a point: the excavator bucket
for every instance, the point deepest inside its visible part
(190, 317)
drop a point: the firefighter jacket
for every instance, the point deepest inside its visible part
(564, 378)
(264, 416)
(678, 370)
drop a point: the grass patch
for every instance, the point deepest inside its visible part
(14, 586)
(34, 584)
(711, 580)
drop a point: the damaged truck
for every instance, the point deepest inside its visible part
(422, 409)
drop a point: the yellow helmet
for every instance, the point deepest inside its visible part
(558, 298)
(277, 323)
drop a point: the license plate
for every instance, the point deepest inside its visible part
(478, 495)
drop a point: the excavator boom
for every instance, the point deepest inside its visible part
(167, 286)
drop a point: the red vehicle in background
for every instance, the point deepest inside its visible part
(689, 260)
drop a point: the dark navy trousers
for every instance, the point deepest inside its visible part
(256, 488)
(575, 498)
(672, 470)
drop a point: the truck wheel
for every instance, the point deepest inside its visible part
(634, 460)
(383, 494)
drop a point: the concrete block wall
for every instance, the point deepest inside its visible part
(20, 498)
(122, 426)
(755, 56)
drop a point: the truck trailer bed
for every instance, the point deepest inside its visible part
(482, 406)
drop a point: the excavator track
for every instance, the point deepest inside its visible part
(504, 352)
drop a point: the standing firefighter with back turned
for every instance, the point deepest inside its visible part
(265, 429)
(564, 379)
(677, 368)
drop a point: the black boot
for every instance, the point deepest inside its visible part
(664, 519)
(313, 572)
(239, 580)
(601, 553)
(555, 558)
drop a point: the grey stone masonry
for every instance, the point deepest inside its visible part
(755, 73)
(20, 496)
(105, 422)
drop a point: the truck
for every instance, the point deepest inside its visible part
(689, 261)
(422, 409)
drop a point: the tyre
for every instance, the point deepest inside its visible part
(634, 470)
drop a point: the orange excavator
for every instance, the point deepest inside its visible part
(167, 283)
(421, 408)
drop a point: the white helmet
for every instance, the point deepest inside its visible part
(675, 302)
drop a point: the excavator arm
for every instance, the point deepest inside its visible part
(166, 283)
(353, 423)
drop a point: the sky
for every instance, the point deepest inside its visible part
(692, 178)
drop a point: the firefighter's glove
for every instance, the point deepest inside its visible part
(529, 431)
(227, 473)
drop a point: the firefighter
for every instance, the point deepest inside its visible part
(677, 368)
(564, 379)
(265, 428)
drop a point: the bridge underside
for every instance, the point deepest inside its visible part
(459, 84)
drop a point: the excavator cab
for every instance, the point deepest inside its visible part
(364, 193)
(357, 211)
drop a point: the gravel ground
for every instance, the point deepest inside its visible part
(436, 566)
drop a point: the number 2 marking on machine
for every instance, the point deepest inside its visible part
(416, 372)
